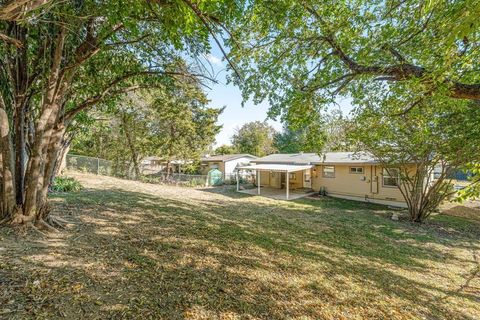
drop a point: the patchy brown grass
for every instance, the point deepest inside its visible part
(135, 250)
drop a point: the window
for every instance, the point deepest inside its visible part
(329, 171)
(391, 177)
(356, 169)
(293, 176)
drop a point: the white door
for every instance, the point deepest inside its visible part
(307, 179)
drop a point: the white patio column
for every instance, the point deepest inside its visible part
(288, 183)
(258, 181)
(238, 182)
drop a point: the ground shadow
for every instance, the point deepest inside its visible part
(135, 255)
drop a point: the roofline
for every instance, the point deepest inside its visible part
(283, 162)
(233, 158)
(351, 163)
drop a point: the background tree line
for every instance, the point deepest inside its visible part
(171, 123)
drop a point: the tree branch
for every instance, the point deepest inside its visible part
(17, 10)
(109, 91)
(397, 72)
(205, 22)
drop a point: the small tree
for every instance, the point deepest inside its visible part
(422, 147)
(183, 127)
(255, 138)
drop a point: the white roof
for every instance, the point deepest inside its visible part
(314, 158)
(276, 167)
(346, 158)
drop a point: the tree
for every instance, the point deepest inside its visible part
(328, 133)
(336, 133)
(289, 141)
(254, 138)
(302, 55)
(225, 149)
(183, 127)
(60, 59)
(418, 143)
(172, 123)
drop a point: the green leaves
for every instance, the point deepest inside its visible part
(301, 56)
(254, 138)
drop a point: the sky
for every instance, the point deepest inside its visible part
(234, 115)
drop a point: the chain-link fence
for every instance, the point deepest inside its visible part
(190, 180)
(105, 167)
(89, 164)
(244, 176)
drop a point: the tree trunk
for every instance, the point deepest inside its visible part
(61, 161)
(7, 184)
(21, 84)
(51, 158)
(131, 146)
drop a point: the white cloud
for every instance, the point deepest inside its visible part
(213, 60)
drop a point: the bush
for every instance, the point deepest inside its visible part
(66, 184)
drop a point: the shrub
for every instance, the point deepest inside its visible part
(66, 184)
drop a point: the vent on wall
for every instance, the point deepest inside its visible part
(387, 198)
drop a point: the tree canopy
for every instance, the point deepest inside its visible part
(426, 145)
(302, 55)
(255, 138)
(225, 149)
(61, 58)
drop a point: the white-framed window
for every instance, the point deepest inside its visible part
(328, 171)
(358, 170)
(292, 176)
(391, 177)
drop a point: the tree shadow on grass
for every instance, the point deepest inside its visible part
(136, 255)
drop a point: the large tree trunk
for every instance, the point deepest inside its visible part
(7, 186)
(21, 101)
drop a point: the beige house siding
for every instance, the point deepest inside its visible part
(274, 179)
(264, 178)
(296, 182)
(366, 186)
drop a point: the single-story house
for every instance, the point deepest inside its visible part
(349, 175)
(226, 163)
(151, 161)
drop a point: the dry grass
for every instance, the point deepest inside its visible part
(136, 250)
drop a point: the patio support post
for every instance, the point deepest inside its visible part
(258, 181)
(238, 182)
(288, 183)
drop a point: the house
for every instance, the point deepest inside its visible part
(151, 164)
(349, 175)
(226, 163)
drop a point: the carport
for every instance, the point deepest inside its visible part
(286, 168)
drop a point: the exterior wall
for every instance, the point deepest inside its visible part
(207, 166)
(264, 178)
(297, 182)
(227, 167)
(274, 179)
(366, 187)
(230, 166)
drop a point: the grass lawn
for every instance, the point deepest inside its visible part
(137, 250)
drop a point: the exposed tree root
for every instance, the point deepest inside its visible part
(5, 220)
(56, 222)
(44, 226)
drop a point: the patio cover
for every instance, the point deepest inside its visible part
(273, 167)
(276, 167)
